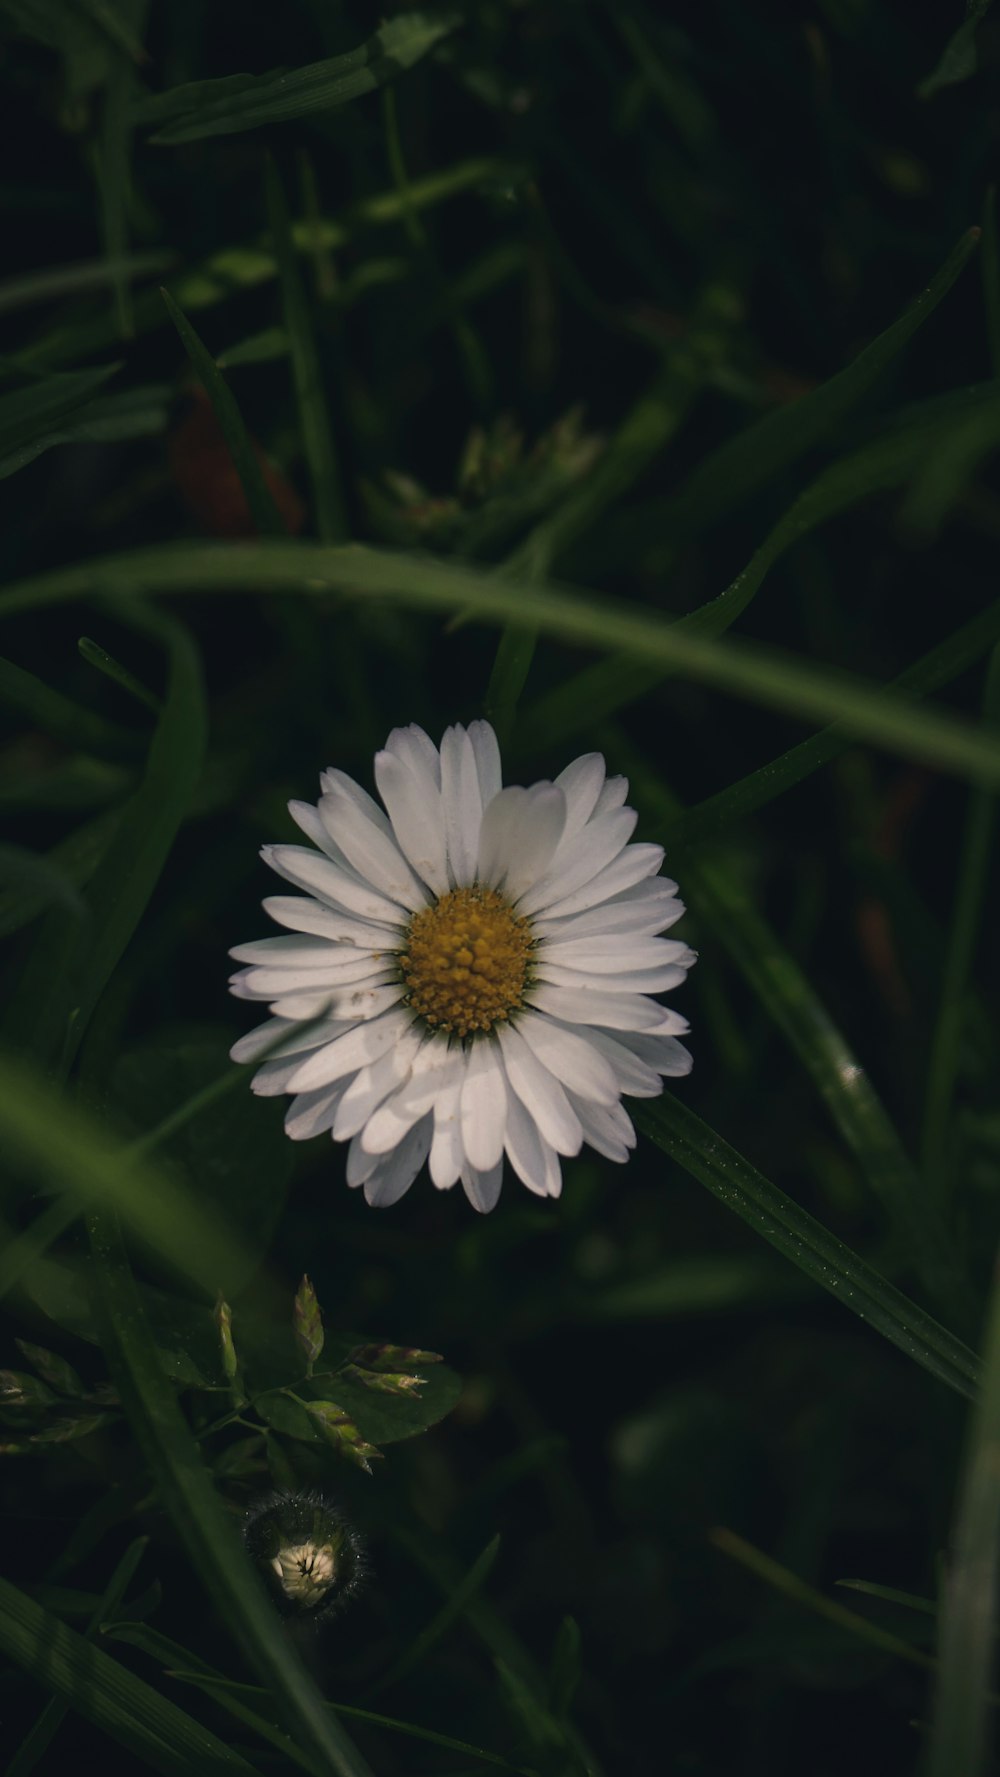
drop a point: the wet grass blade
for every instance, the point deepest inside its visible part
(263, 510)
(248, 101)
(818, 1253)
(154, 1731)
(201, 1521)
(960, 1736)
(314, 416)
(761, 675)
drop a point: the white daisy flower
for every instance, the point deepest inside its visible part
(478, 964)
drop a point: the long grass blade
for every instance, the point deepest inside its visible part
(761, 675)
(803, 1240)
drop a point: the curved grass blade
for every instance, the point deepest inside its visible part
(29, 414)
(432, 1632)
(263, 510)
(803, 1240)
(759, 674)
(314, 418)
(909, 442)
(960, 1737)
(760, 452)
(24, 694)
(203, 1525)
(122, 1706)
(248, 101)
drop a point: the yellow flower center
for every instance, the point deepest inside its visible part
(466, 961)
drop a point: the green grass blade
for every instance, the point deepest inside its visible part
(40, 1736)
(98, 657)
(49, 285)
(786, 994)
(441, 1622)
(913, 439)
(314, 416)
(202, 1523)
(936, 668)
(135, 413)
(80, 729)
(246, 101)
(805, 1241)
(29, 413)
(154, 1731)
(751, 671)
(67, 1150)
(33, 883)
(970, 899)
(960, 1736)
(263, 510)
(761, 452)
(74, 859)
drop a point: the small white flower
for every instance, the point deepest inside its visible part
(480, 961)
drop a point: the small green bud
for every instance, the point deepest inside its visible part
(383, 1381)
(308, 1324)
(224, 1322)
(340, 1430)
(392, 1357)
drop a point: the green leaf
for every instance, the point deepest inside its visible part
(202, 1523)
(314, 417)
(762, 675)
(154, 1731)
(960, 57)
(246, 101)
(246, 461)
(810, 1246)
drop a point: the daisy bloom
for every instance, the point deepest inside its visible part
(477, 965)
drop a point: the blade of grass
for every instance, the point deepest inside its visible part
(247, 101)
(68, 280)
(135, 413)
(114, 173)
(80, 729)
(970, 899)
(960, 1732)
(28, 413)
(786, 994)
(807, 1597)
(891, 1595)
(203, 1525)
(757, 673)
(74, 859)
(646, 430)
(259, 498)
(805, 1241)
(129, 1711)
(888, 461)
(442, 1621)
(98, 657)
(758, 454)
(314, 418)
(40, 1736)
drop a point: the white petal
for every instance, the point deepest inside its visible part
(250, 1046)
(596, 846)
(521, 830)
(484, 1106)
(581, 784)
(360, 1165)
(447, 1153)
(572, 1058)
(605, 954)
(268, 984)
(608, 1129)
(487, 753)
(414, 805)
(435, 1066)
(633, 1074)
(306, 816)
(584, 1005)
(312, 1113)
(394, 1175)
(357, 1047)
(297, 950)
(612, 796)
(534, 1160)
(648, 907)
(417, 751)
(483, 1188)
(302, 914)
(369, 847)
(659, 980)
(271, 1080)
(662, 1053)
(540, 1093)
(373, 1084)
(339, 888)
(461, 805)
(632, 865)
